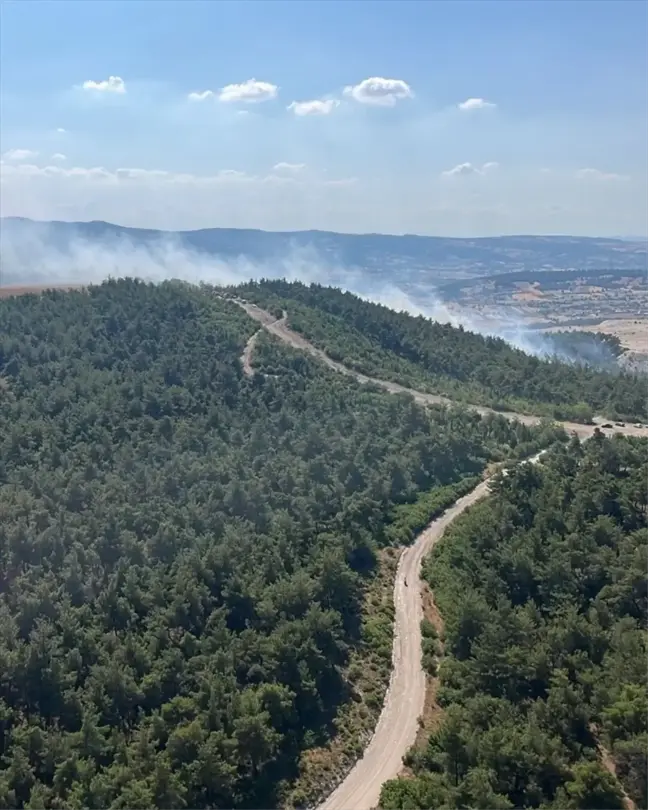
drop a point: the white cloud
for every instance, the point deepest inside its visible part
(314, 107)
(201, 96)
(129, 175)
(461, 169)
(150, 197)
(19, 154)
(58, 156)
(287, 174)
(249, 92)
(596, 174)
(113, 84)
(288, 167)
(465, 169)
(60, 130)
(378, 91)
(475, 104)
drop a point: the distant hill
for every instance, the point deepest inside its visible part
(550, 279)
(409, 260)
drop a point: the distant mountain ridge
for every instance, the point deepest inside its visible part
(412, 259)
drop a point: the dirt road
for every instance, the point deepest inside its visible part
(610, 766)
(246, 357)
(398, 723)
(397, 726)
(268, 322)
(280, 329)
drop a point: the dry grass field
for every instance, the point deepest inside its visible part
(632, 332)
(7, 292)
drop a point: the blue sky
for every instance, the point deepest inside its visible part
(457, 118)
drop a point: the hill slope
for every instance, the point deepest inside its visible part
(447, 360)
(543, 591)
(185, 550)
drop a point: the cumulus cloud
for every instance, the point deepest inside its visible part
(597, 174)
(378, 91)
(476, 104)
(59, 157)
(466, 169)
(113, 84)
(460, 169)
(248, 92)
(201, 96)
(314, 107)
(288, 167)
(20, 154)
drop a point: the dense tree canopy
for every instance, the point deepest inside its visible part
(544, 594)
(595, 349)
(184, 549)
(442, 358)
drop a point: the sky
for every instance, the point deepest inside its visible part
(452, 118)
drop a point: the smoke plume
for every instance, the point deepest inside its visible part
(34, 254)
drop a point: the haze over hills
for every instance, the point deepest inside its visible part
(37, 252)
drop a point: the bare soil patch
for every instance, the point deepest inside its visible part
(8, 292)
(432, 712)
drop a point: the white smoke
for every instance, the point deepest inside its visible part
(30, 255)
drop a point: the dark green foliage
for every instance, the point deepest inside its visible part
(543, 591)
(596, 349)
(407, 520)
(184, 550)
(452, 361)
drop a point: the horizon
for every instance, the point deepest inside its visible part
(463, 119)
(602, 237)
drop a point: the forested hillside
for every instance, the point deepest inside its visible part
(444, 359)
(184, 550)
(543, 591)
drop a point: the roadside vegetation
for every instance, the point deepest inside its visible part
(543, 683)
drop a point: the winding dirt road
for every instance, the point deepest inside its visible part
(397, 726)
(246, 357)
(279, 328)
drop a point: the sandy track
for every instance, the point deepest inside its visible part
(404, 702)
(397, 726)
(280, 329)
(246, 357)
(610, 766)
(268, 322)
